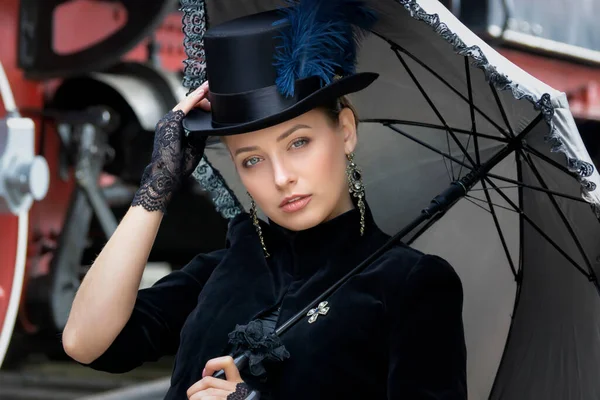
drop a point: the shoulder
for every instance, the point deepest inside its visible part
(202, 265)
(413, 263)
(410, 272)
(238, 229)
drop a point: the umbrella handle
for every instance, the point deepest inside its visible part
(240, 362)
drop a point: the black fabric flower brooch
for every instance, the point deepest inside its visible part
(258, 345)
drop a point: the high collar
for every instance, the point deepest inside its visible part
(314, 247)
(311, 248)
(338, 230)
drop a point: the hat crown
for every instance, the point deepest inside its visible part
(240, 53)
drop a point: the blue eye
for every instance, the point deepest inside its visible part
(251, 162)
(299, 143)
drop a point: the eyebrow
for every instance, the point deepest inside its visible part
(279, 139)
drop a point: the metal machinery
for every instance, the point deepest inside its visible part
(90, 80)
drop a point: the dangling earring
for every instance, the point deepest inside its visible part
(357, 189)
(256, 224)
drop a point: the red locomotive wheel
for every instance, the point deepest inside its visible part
(13, 251)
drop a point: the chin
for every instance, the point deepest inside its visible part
(299, 221)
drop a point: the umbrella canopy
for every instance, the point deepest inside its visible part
(525, 239)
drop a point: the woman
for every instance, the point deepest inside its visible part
(394, 331)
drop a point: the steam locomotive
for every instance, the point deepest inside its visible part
(90, 79)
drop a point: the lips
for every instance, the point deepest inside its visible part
(295, 203)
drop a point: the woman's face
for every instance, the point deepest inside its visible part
(295, 171)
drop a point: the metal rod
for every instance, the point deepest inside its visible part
(550, 161)
(521, 225)
(537, 188)
(561, 215)
(471, 200)
(501, 178)
(499, 229)
(486, 202)
(472, 111)
(538, 229)
(502, 111)
(472, 132)
(434, 108)
(456, 91)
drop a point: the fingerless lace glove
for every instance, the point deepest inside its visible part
(174, 158)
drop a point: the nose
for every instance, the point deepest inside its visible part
(283, 174)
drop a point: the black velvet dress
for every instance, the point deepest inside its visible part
(394, 331)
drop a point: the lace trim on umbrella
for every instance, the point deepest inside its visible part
(194, 22)
(258, 344)
(581, 168)
(222, 196)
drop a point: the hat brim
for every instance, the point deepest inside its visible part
(199, 122)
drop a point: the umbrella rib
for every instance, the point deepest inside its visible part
(385, 121)
(537, 228)
(502, 111)
(459, 94)
(500, 178)
(489, 202)
(472, 113)
(450, 175)
(550, 161)
(521, 219)
(450, 152)
(500, 187)
(430, 147)
(499, 228)
(434, 108)
(470, 200)
(537, 188)
(461, 166)
(560, 212)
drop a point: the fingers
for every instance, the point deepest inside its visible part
(209, 382)
(193, 99)
(204, 105)
(211, 393)
(226, 363)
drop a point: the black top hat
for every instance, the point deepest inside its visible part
(247, 71)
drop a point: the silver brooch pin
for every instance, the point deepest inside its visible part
(322, 309)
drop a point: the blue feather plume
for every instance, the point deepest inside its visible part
(321, 40)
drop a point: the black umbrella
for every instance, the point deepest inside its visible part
(515, 206)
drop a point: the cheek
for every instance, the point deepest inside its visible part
(326, 168)
(259, 183)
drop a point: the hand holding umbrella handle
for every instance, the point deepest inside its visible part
(240, 362)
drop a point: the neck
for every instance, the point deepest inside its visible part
(345, 204)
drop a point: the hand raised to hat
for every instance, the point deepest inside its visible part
(174, 156)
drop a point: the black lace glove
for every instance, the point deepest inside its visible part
(174, 158)
(243, 392)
